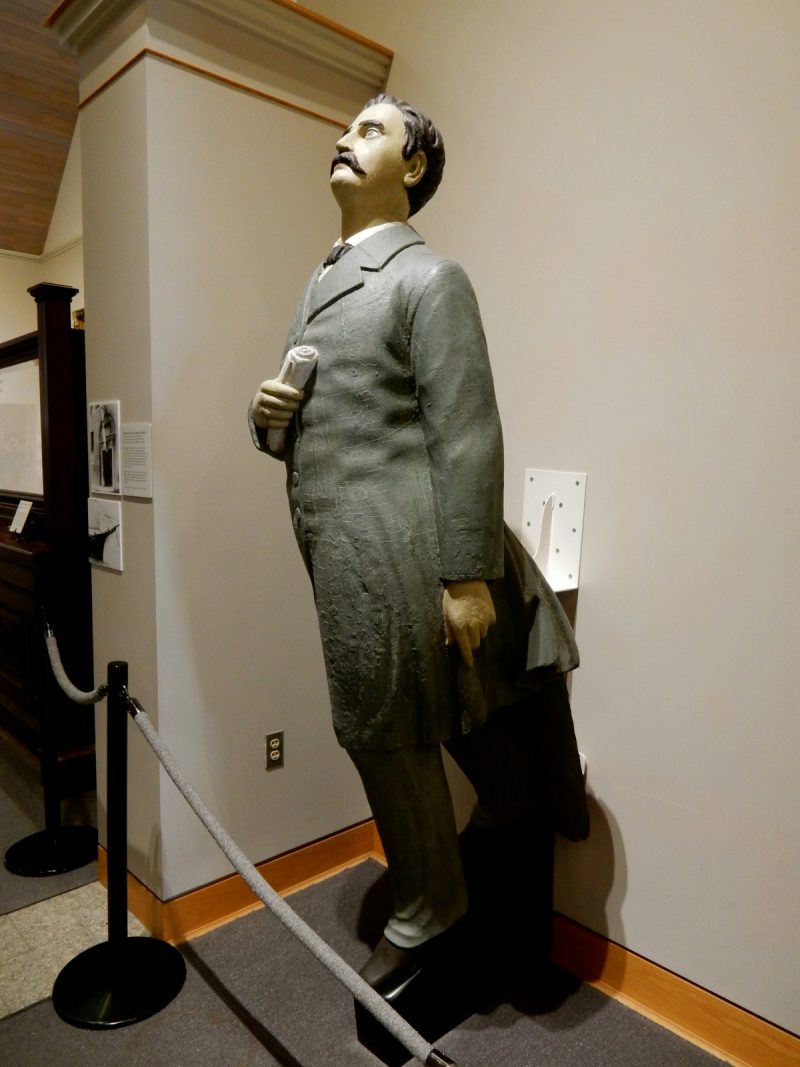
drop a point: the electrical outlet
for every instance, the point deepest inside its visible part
(274, 750)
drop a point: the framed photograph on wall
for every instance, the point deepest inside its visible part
(105, 533)
(104, 447)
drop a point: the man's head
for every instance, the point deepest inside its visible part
(421, 136)
(391, 156)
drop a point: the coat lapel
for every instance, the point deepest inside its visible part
(347, 275)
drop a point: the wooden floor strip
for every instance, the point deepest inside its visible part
(222, 901)
(734, 1035)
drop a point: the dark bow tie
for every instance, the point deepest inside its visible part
(336, 254)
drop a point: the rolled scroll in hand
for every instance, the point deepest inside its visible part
(298, 363)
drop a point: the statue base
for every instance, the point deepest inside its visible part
(503, 943)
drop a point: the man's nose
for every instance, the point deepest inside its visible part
(343, 144)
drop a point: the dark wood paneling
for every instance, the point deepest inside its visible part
(48, 568)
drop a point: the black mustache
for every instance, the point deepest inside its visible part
(349, 160)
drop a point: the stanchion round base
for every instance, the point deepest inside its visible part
(117, 985)
(53, 852)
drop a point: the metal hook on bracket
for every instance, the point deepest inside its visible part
(552, 524)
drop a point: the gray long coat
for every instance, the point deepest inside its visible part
(395, 482)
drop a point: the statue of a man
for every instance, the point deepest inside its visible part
(436, 626)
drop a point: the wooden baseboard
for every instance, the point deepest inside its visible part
(731, 1033)
(222, 901)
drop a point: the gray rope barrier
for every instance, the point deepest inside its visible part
(76, 695)
(57, 848)
(375, 1004)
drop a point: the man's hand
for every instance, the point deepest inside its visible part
(468, 614)
(274, 404)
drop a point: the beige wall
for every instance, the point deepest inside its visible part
(17, 307)
(19, 273)
(622, 188)
(60, 263)
(201, 225)
(116, 264)
(235, 229)
(66, 225)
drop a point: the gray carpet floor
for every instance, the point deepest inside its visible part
(22, 814)
(254, 996)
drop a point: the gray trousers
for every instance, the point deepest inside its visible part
(509, 764)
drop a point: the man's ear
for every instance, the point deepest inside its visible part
(417, 166)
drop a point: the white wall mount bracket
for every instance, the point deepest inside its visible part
(552, 524)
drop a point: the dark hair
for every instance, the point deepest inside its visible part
(421, 134)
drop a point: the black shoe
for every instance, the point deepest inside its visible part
(390, 966)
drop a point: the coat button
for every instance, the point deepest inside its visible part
(295, 478)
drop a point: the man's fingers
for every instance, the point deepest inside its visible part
(277, 404)
(274, 387)
(274, 404)
(465, 646)
(278, 422)
(268, 419)
(468, 614)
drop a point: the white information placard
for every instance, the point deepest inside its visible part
(137, 459)
(20, 516)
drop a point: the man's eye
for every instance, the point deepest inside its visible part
(371, 131)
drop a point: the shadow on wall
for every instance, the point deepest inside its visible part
(499, 954)
(590, 883)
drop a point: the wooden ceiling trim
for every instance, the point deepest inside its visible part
(221, 79)
(38, 109)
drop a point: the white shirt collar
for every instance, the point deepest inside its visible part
(362, 235)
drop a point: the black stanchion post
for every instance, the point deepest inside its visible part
(124, 979)
(117, 803)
